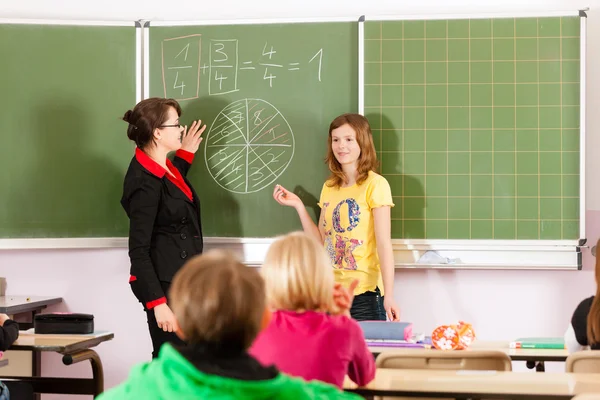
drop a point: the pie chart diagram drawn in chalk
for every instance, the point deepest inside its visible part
(248, 146)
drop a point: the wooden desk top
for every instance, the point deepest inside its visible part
(64, 344)
(514, 354)
(22, 304)
(478, 384)
(4, 362)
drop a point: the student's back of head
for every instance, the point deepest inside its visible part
(298, 274)
(218, 300)
(307, 322)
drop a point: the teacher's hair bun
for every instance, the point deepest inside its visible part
(127, 116)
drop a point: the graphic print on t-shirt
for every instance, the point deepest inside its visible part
(339, 246)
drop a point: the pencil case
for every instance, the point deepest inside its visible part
(63, 323)
(453, 337)
(383, 330)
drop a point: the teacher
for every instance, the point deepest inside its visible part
(163, 208)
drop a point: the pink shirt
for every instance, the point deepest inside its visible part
(314, 345)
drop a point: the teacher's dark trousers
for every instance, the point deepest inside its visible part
(158, 336)
(368, 306)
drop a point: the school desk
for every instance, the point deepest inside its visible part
(535, 358)
(74, 348)
(477, 384)
(19, 305)
(25, 308)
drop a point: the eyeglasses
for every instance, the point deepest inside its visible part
(171, 126)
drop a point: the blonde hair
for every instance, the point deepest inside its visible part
(298, 274)
(367, 160)
(217, 299)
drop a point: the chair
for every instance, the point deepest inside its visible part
(480, 360)
(584, 361)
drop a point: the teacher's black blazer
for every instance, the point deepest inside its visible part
(165, 229)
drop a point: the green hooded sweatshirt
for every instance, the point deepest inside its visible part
(172, 377)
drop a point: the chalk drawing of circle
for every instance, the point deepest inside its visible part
(248, 146)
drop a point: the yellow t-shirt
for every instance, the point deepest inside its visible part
(350, 230)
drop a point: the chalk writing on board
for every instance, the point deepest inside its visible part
(223, 66)
(248, 146)
(184, 68)
(181, 67)
(271, 65)
(320, 54)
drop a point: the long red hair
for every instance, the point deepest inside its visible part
(593, 318)
(367, 161)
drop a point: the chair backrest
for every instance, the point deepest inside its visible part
(584, 361)
(481, 360)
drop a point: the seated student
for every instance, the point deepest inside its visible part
(584, 330)
(309, 336)
(9, 333)
(220, 306)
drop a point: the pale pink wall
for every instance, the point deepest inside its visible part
(500, 304)
(89, 281)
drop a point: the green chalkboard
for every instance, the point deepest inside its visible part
(267, 93)
(64, 150)
(477, 125)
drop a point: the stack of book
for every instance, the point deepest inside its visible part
(538, 343)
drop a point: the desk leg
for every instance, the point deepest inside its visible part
(36, 360)
(36, 368)
(538, 365)
(97, 370)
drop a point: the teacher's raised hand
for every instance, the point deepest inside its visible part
(191, 139)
